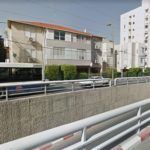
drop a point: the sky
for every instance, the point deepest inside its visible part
(92, 15)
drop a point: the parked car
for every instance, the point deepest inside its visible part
(95, 81)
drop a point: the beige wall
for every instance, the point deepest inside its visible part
(19, 118)
(74, 45)
(20, 43)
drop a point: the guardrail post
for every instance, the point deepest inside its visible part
(45, 89)
(6, 94)
(137, 80)
(139, 121)
(110, 83)
(72, 86)
(83, 137)
(93, 84)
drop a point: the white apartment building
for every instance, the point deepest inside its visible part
(135, 37)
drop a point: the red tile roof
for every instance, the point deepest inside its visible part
(54, 27)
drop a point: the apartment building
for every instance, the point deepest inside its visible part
(36, 42)
(134, 37)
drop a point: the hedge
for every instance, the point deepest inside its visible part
(52, 72)
(69, 72)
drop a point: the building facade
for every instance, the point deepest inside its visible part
(134, 37)
(35, 42)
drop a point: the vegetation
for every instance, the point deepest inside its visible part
(133, 72)
(52, 72)
(147, 71)
(69, 72)
(83, 75)
(108, 73)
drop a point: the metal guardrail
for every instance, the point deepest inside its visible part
(131, 80)
(141, 117)
(23, 88)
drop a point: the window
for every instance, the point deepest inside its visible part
(130, 16)
(146, 26)
(80, 38)
(133, 30)
(133, 22)
(124, 26)
(145, 41)
(129, 23)
(59, 35)
(146, 10)
(30, 32)
(133, 15)
(132, 37)
(59, 51)
(129, 37)
(81, 54)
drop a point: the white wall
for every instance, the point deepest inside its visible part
(130, 48)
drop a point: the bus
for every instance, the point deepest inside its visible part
(20, 72)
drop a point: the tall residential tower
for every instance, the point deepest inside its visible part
(135, 37)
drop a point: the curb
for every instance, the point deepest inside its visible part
(48, 146)
(134, 141)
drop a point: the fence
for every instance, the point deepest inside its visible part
(140, 117)
(23, 88)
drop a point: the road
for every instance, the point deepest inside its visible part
(145, 145)
(96, 129)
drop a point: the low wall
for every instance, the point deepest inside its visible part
(19, 118)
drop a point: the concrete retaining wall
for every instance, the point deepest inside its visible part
(19, 118)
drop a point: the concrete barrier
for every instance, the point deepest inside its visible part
(19, 118)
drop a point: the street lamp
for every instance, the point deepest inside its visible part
(113, 55)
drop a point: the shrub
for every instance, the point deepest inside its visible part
(108, 73)
(83, 75)
(147, 71)
(69, 72)
(52, 72)
(134, 72)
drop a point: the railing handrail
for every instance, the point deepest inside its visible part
(128, 78)
(44, 82)
(38, 139)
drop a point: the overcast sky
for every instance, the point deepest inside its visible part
(93, 15)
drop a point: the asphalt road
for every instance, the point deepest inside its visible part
(98, 128)
(145, 145)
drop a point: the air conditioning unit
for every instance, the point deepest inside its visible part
(31, 39)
